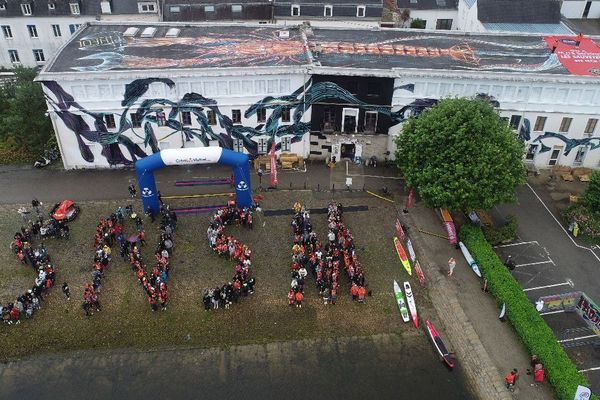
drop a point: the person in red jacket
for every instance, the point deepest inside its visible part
(299, 297)
(362, 292)
(538, 374)
(291, 297)
(354, 291)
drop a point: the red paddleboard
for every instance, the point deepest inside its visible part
(439, 345)
(420, 274)
(402, 255)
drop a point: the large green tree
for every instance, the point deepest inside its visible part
(24, 127)
(461, 156)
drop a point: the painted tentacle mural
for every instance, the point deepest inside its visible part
(148, 111)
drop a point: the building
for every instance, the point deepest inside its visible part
(436, 14)
(117, 92)
(260, 11)
(329, 13)
(32, 31)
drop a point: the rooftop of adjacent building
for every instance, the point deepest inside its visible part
(129, 47)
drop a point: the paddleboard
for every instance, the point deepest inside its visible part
(439, 345)
(400, 301)
(402, 255)
(446, 217)
(469, 259)
(412, 307)
(419, 272)
(502, 311)
(411, 250)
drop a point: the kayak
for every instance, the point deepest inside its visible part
(439, 344)
(469, 259)
(419, 272)
(411, 304)
(411, 250)
(402, 255)
(502, 312)
(400, 301)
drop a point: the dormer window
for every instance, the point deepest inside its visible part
(295, 10)
(2, 6)
(75, 8)
(51, 6)
(26, 8)
(328, 11)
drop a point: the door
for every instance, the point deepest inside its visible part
(556, 150)
(348, 150)
(580, 156)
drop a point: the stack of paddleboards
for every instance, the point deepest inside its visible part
(402, 299)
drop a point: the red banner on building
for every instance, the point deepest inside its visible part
(274, 180)
(580, 55)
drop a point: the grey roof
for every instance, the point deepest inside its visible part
(548, 29)
(427, 4)
(62, 7)
(334, 2)
(221, 46)
(519, 11)
(213, 2)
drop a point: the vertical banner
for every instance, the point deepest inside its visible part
(590, 312)
(410, 199)
(274, 180)
(399, 229)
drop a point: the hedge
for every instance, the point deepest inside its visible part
(537, 336)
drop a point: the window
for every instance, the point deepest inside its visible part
(443, 24)
(2, 6)
(531, 151)
(147, 7)
(136, 120)
(262, 145)
(174, 9)
(361, 11)
(295, 10)
(285, 115)
(590, 127)
(14, 56)
(261, 115)
(328, 11)
(7, 31)
(32, 31)
(286, 143)
(51, 6)
(26, 9)
(236, 8)
(540, 122)
(74, 8)
(38, 54)
(565, 124)
(515, 121)
(73, 27)
(161, 120)
(186, 118)
(238, 145)
(370, 121)
(441, 3)
(212, 118)
(236, 116)
(580, 156)
(209, 9)
(56, 30)
(109, 119)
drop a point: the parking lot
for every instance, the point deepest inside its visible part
(549, 264)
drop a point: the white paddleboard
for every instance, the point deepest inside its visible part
(469, 259)
(412, 307)
(411, 251)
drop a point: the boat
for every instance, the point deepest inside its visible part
(411, 250)
(439, 344)
(402, 255)
(412, 307)
(420, 273)
(469, 259)
(400, 301)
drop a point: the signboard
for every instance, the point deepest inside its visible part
(578, 54)
(582, 393)
(590, 312)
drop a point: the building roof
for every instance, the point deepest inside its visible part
(107, 47)
(213, 2)
(427, 4)
(62, 7)
(333, 2)
(548, 29)
(519, 11)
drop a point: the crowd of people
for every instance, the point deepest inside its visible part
(242, 283)
(36, 257)
(324, 262)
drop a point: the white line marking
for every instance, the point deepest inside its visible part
(515, 244)
(547, 286)
(552, 312)
(590, 369)
(577, 338)
(562, 227)
(534, 263)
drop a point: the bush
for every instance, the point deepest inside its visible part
(418, 23)
(538, 338)
(505, 233)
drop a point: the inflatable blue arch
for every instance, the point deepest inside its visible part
(239, 162)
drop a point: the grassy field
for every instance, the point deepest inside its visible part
(126, 320)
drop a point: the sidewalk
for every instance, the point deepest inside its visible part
(486, 348)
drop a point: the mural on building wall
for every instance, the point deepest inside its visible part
(570, 143)
(148, 111)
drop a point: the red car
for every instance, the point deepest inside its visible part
(66, 210)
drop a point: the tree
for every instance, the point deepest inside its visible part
(418, 23)
(461, 156)
(591, 196)
(23, 123)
